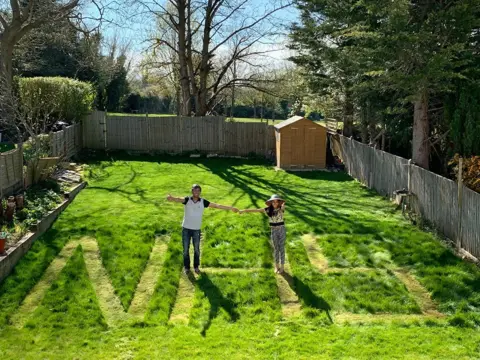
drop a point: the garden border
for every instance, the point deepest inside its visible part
(17, 251)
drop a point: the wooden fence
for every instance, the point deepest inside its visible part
(67, 142)
(93, 130)
(435, 197)
(64, 144)
(210, 134)
(11, 171)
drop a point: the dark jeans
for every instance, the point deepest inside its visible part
(188, 234)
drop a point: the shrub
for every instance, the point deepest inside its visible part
(56, 98)
(36, 147)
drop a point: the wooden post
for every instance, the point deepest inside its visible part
(409, 181)
(460, 194)
(266, 141)
(372, 168)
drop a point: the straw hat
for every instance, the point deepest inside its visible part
(273, 197)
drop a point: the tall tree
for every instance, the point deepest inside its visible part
(204, 30)
(327, 52)
(422, 45)
(399, 55)
(21, 17)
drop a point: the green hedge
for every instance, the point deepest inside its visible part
(56, 98)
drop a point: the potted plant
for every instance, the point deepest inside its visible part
(3, 240)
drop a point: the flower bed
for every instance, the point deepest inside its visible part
(38, 201)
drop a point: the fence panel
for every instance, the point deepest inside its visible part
(180, 134)
(437, 200)
(67, 142)
(470, 238)
(361, 165)
(389, 173)
(11, 171)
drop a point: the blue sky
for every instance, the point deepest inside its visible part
(135, 32)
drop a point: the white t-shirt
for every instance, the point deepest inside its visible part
(193, 212)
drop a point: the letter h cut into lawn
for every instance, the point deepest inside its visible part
(189, 284)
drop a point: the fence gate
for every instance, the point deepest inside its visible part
(94, 130)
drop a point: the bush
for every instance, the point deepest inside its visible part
(56, 98)
(147, 103)
(36, 147)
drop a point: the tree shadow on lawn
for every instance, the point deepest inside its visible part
(216, 300)
(301, 201)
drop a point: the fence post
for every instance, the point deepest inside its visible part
(372, 167)
(409, 178)
(64, 138)
(460, 194)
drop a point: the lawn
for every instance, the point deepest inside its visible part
(105, 281)
(140, 115)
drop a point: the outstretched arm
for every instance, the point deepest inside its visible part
(175, 199)
(252, 211)
(223, 207)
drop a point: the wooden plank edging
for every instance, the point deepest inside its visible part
(17, 251)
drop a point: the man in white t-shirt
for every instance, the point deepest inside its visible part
(192, 223)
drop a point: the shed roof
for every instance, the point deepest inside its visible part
(292, 120)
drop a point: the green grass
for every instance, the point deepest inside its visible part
(237, 313)
(141, 115)
(355, 250)
(70, 302)
(241, 119)
(232, 297)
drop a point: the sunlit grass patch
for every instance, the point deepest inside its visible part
(239, 244)
(363, 292)
(355, 251)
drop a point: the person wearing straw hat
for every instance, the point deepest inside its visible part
(275, 210)
(192, 222)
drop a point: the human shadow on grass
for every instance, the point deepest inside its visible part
(216, 300)
(307, 296)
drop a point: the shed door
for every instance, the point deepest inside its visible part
(311, 138)
(297, 145)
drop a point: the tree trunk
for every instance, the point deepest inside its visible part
(348, 115)
(205, 66)
(185, 107)
(421, 130)
(233, 89)
(6, 69)
(364, 123)
(179, 97)
(7, 95)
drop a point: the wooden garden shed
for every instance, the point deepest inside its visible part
(301, 144)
